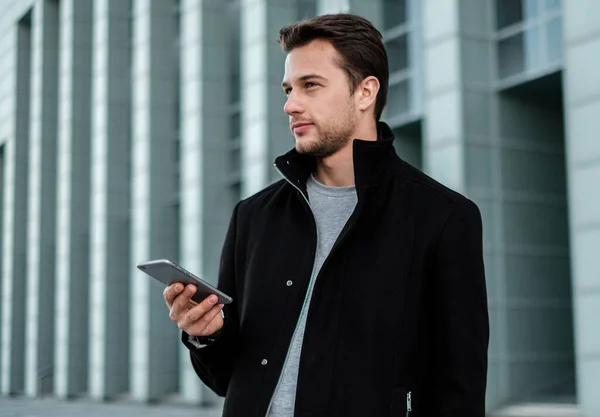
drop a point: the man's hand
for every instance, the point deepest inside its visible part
(202, 319)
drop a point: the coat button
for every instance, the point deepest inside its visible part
(289, 283)
(263, 362)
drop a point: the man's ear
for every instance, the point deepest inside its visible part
(367, 93)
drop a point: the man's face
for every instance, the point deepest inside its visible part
(322, 111)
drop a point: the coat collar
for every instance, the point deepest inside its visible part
(371, 160)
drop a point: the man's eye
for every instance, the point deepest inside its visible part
(287, 91)
(309, 85)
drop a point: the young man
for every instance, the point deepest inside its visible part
(358, 281)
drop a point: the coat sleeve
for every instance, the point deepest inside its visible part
(214, 362)
(460, 323)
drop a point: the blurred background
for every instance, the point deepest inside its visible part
(130, 128)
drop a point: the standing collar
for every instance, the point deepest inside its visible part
(371, 160)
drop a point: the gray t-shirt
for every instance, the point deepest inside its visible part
(331, 207)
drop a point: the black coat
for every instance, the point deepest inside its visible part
(398, 316)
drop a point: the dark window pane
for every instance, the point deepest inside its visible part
(397, 50)
(177, 163)
(235, 126)
(234, 83)
(235, 192)
(508, 12)
(394, 13)
(235, 159)
(511, 56)
(176, 149)
(398, 100)
(234, 51)
(555, 40)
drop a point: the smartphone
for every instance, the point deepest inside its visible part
(168, 272)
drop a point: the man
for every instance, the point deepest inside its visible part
(358, 281)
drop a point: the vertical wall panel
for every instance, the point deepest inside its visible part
(265, 127)
(73, 182)
(154, 338)
(41, 236)
(205, 134)
(15, 221)
(109, 305)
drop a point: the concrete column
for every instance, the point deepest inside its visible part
(265, 128)
(154, 338)
(73, 212)
(109, 302)
(205, 136)
(15, 220)
(39, 346)
(582, 106)
(458, 53)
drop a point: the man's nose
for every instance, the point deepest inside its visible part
(292, 106)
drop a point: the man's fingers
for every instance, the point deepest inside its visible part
(215, 323)
(202, 314)
(171, 292)
(208, 323)
(181, 302)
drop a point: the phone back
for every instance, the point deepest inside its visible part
(170, 273)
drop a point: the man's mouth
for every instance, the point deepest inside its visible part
(301, 127)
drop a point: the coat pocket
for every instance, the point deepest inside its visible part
(401, 402)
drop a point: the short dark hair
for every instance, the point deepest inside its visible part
(358, 42)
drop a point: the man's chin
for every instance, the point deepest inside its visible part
(303, 145)
(311, 151)
(302, 149)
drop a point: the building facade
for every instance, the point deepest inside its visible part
(129, 129)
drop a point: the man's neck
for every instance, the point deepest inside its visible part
(337, 170)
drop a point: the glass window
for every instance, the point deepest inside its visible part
(398, 102)
(236, 125)
(234, 83)
(176, 149)
(540, 43)
(532, 9)
(510, 56)
(235, 192)
(554, 37)
(553, 5)
(508, 12)
(235, 159)
(397, 49)
(533, 48)
(234, 52)
(394, 13)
